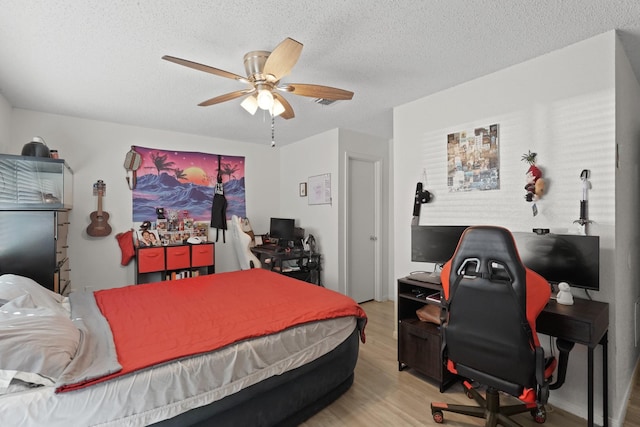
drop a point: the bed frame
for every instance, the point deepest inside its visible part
(284, 400)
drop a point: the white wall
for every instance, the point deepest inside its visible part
(95, 150)
(321, 154)
(560, 105)
(627, 291)
(316, 155)
(5, 123)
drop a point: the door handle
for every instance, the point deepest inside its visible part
(373, 238)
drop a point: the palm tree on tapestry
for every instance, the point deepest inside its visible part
(179, 174)
(227, 169)
(160, 162)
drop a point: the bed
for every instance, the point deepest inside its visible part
(240, 348)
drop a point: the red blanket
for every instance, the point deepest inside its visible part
(158, 322)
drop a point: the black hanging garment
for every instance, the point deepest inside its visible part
(219, 208)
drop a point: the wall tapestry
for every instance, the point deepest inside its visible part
(473, 159)
(184, 182)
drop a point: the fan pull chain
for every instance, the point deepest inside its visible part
(273, 131)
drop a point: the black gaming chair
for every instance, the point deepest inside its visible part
(492, 301)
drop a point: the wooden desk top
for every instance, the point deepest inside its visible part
(584, 322)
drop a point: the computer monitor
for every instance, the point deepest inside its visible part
(570, 258)
(282, 229)
(434, 243)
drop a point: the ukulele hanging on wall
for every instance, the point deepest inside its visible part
(99, 226)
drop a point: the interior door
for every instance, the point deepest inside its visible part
(361, 230)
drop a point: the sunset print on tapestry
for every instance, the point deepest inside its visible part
(185, 181)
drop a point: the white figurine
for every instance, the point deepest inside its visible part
(564, 294)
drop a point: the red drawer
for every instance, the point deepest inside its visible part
(151, 259)
(178, 257)
(202, 255)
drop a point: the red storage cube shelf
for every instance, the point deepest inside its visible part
(202, 255)
(171, 262)
(178, 257)
(150, 259)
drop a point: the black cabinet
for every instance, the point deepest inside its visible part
(34, 244)
(419, 342)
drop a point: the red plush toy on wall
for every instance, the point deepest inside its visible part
(535, 182)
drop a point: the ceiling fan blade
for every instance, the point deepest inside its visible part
(288, 110)
(317, 91)
(226, 97)
(283, 58)
(205, 68)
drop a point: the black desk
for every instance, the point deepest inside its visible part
(585, 322)
(307, 266)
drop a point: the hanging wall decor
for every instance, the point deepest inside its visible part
(183, 182)
(535, 184)
(319, 189)
(473, 160)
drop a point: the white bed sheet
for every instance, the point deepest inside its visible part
(168, 390)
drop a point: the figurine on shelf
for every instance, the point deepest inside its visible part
(564, 296)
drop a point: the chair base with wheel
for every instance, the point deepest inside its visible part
(489, 408)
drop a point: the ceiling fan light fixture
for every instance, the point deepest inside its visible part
(264, 70)
(265, 99)
(277, 108)
(250, 104)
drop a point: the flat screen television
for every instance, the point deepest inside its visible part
(570, 258)
(282, 229)
(434, 243)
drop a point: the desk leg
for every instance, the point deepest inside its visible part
(605, 379)
(590, 387)
(605, 383)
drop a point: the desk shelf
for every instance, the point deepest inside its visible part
(419, 342)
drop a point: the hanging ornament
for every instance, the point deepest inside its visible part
(584, 202)
(535, 183)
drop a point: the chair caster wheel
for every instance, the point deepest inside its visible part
(539, 415)
(438, 417)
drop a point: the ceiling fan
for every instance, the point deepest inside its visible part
(264, 70)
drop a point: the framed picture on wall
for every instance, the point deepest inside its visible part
(320, 189)
(473, 159)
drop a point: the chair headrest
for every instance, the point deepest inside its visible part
(487, 251)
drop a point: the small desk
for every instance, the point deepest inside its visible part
(308, 263)
(585, 322)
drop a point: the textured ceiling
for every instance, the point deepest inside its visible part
(102, 59)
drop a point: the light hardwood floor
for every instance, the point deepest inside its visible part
(383, 396)
(633, 409)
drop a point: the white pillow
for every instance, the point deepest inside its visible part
(12, 286)
(35, 340)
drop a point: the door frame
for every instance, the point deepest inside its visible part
(377, 185)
